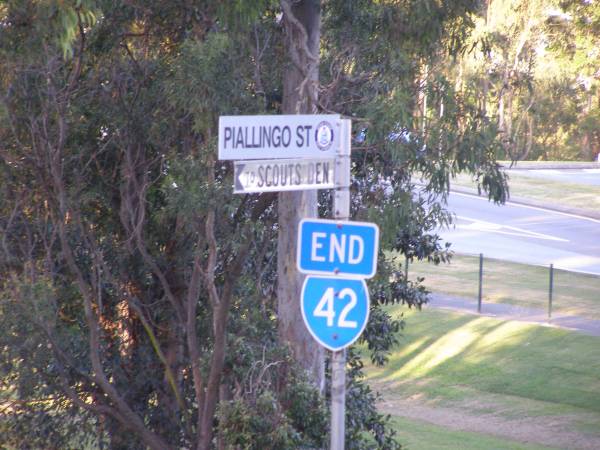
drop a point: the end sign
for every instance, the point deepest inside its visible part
(334, 247)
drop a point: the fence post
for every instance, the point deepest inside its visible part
(480, 283)
(550, 290)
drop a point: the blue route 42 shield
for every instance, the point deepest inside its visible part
(335, 310)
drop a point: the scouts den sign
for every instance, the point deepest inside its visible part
(282, 175)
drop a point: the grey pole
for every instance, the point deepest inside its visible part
(341, 211)
(550, 290)
(338, 400)
(480, 295)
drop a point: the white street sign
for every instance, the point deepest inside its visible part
(283, 175)
(279, 136)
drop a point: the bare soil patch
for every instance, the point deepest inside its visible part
(559, 431)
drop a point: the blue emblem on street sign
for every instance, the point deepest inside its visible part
(337, 247)
(335, 310)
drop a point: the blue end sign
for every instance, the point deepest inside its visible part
(330, 247)
(335, 310)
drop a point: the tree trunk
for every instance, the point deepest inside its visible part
(303, 27)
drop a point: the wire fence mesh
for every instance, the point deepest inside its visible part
(521, 289)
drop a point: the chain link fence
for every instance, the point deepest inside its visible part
(501, 287)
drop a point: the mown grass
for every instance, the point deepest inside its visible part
(570, 195)
(419, 435)
(483, 364)
(517, 284)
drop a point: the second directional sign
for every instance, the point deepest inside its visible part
(283, 175)
(335, 247)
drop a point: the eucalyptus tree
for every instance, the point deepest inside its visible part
(138, 296)
(536, 65)
(575, 42)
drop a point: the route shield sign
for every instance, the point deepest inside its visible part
(336, 247)
(335, 310)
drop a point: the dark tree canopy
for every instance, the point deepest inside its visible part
(137, 293)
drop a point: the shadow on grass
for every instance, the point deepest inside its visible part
(443, 352)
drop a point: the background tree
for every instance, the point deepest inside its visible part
(576, 42)
(536, 64)
(138, 301)
(302, 21)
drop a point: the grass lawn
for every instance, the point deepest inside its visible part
(419, 435)
(518, 284)
(583, 196)
(509, 370)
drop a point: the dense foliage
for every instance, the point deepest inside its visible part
(537, 69)
(137, 300)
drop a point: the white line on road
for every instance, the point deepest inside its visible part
(482, 225)
(536, 208)
(552, 171)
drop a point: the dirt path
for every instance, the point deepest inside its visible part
(556, 431)
(506, 311)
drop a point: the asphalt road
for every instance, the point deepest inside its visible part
(524, 234)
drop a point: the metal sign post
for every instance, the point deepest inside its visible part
(337, 254)
(341, 211)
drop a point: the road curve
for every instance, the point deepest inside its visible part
(523, 233)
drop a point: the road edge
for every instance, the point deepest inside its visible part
(535, 203)
(550, 165)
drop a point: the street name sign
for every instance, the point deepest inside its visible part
(335, 310)
(283, 175)
(279, 136)
(332, 247)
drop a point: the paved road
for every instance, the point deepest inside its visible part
(524, 234)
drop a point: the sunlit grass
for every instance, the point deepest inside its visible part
(452, 358)
(438, 352)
